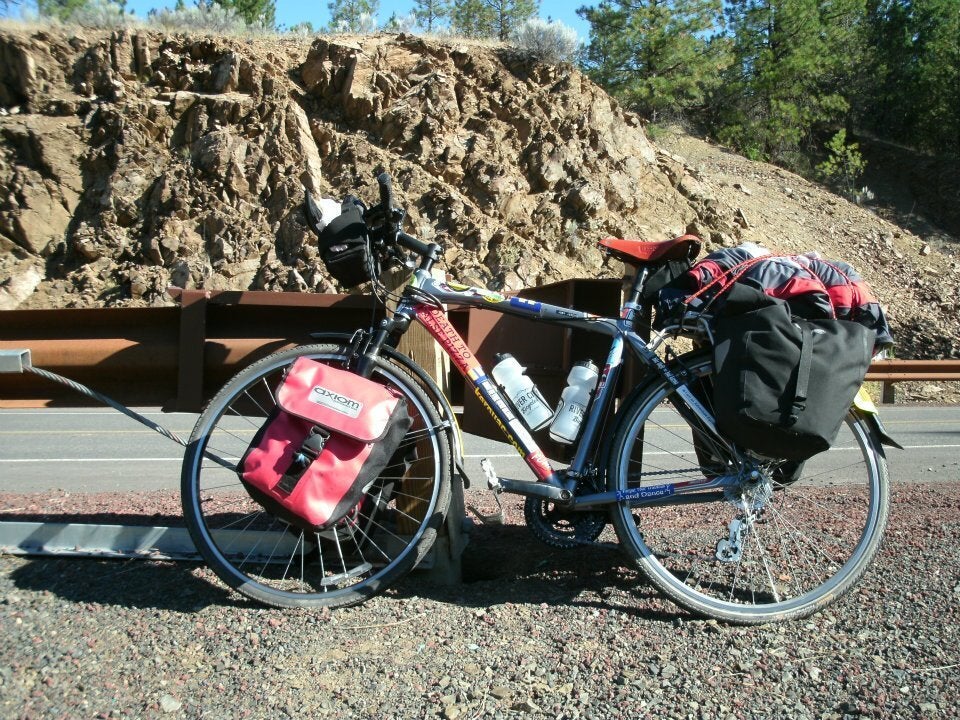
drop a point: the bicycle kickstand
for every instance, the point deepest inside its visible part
(493, 483)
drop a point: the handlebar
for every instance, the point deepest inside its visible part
(393, 236)
(386, 194)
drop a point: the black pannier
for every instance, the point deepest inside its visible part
(783, 385)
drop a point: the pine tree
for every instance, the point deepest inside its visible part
(61, 9)
(431, 13)
(253, 12)
(794, 60)
(348, 15)
(913, 93)
(491, 18)
(938, 83)
(471, 18)
(508, 15)
(656, 56)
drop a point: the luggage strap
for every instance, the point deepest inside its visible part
(803, 373)
(309, 451)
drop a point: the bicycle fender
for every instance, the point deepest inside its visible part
(866, 410)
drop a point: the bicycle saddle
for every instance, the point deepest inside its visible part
(636, 252)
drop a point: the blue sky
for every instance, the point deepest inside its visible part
(291, 12)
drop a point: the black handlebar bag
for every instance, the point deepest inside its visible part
(343, 243)
(330, 437)
(784, 385)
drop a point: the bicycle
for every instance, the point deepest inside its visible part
(722, 533)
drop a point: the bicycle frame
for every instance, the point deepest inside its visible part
(549, 482)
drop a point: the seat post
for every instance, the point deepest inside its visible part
(640, 275)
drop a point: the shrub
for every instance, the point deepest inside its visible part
(98, 14)
(843, 165)
(548, 42)
(206, 18)
(400, 24)
(364, 24)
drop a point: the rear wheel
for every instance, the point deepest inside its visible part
(267, 559)
(781, 544)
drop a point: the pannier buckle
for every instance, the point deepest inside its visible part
(309, 451)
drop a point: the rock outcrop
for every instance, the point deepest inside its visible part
(133, 161)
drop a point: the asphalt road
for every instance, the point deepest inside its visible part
(101, 450)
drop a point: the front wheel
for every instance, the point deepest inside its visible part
(779, 547)
(269, 560)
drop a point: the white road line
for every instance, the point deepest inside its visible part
(469, 457)
(81, 413)
(89, 460)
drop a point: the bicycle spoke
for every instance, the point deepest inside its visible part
(789, 546)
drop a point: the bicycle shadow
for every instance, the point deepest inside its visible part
(506, 564)
(500, 565)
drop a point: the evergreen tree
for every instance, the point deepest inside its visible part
(656, 56)
(508, 15)
(490, 18)
(253, 12)
(471, 18)
(794, 62)
(938, 81)
(61, 9)
(431, 13)
(348, 15)
(890, 67)
(913, 91)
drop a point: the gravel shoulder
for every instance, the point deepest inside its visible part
(531, 633)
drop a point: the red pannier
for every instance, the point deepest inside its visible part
(330, 437)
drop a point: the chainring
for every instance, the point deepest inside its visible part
(562, 527)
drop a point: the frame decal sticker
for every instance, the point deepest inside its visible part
(524, 304)
(438, 325)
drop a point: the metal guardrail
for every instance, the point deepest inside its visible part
(914, 370)
(177, 357)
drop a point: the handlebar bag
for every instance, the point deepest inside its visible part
(329, 438)
(782, 385)
(344, 248)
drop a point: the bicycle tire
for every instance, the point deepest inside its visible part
(765, 555)
(387, 535)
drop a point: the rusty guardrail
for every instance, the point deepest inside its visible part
(904, 370)
(177, 357)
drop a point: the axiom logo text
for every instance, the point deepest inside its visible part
(335, 401)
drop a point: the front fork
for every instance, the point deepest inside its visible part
(366, 345)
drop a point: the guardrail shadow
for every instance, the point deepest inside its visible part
(500, 565)
(158, 584)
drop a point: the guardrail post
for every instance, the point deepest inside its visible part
(193, 335)
(420, 346)
(888, 393)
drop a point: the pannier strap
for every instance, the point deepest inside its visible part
(803, 373)
(309, 451)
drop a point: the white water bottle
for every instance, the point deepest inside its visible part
(573, 402)
(521, 392)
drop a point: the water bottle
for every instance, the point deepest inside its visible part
(573, 402)
(521, 392)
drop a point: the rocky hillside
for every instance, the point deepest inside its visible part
(134, 161)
